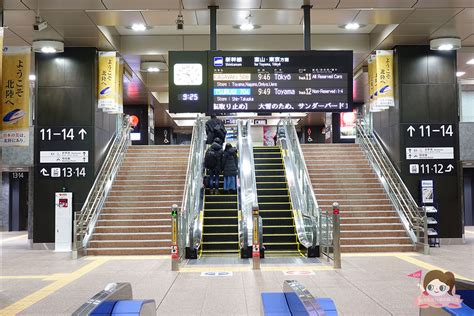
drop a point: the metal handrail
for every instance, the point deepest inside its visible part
(412, 216)
(248, 186)
(305, 205)
(85, 221)
(190, 219)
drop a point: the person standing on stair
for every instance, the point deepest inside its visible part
(230, 167)
(215, 128)
(213, 164)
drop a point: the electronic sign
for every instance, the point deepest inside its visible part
(280, 81)
(260, 81)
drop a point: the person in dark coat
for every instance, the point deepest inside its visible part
(213, 164)
(230, 168)
(215, 128)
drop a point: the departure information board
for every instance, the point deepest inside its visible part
(260, 81)
(291, 81)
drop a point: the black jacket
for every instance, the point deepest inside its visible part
(230, 162)
(219, 153)
(210, 124)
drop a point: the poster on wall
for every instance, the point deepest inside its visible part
(15, 110)
(106, 85)
(268, 135)
(348, 125)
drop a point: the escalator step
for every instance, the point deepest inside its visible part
(220, 246)
(275, 161)
(270, 172)
(271, 185)
(221, 205)
(281, 246)
(220, 221)
(272, 178)
(231, 237)
(269, 166)
(219, 229)
(275, 213)
(220, 213)
(269, 230)
(221, 198)
(274, 198)
(282, 221)
(267, 154)
(275, 149)
(274, 206)
(273, 191)
(279, 238)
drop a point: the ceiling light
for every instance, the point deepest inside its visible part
(247, 25)
(153, 66)
(138, 27)
(470, 62)
(32, 77)
(447, 43)
(352, 26)
(48, 46)
(460, 73)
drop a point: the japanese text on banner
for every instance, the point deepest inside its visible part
(385, 88)
(15, 110)
(106, 81)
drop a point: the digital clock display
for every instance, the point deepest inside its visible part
(188, 97)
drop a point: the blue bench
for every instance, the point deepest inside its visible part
(296, 301)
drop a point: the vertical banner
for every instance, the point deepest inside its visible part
(106, 82)
(385, 89)
(1, 54)
(120, 88)
(371, 83)
(15, 110)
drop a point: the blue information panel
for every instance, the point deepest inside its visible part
(283, 81)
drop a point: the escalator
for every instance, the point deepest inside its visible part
(275, 207)
(220, 227)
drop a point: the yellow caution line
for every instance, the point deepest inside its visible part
(428, 266)
(13, 238)
(44, 292)
(145, 257)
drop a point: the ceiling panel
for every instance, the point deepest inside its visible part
(465, 16)
(11, 39)
(77, 31)
(66, 17)
(333, 17)
(27, 33)
(81, 42)
(469, 41)
(376, 3)
(324, 4)
(445, 4)
(435, 16)
(168, 17)
(66, 4)
(142, 4)
(13, 5)
(382, 16)
(415, 29)
(452, 29)
(259, 17)
(223, 4)
(112, 18)
(19, 18)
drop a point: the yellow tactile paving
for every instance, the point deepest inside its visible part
(13, 238)
(37, 296)
(427, 266)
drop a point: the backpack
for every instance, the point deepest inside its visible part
(210, 160)
(219, 131)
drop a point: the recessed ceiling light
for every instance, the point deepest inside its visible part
(352, 26)
(460, 73)
(447, 43)
(153, 66)
(32, 77)
(48, 46)
(138, 27)
(470, 62)
(153, 69)
(248, 25)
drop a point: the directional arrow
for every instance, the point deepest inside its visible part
(44, 172)
(410, 130)
(449, 168)
(82, 133)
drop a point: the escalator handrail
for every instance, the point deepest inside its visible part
(302, 195)
(248, 187)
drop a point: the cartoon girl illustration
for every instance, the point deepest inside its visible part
(438, 290)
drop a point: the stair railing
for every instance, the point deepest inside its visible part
(190, 219)
(85, 221)
(305, 206)
(248, 186)
(413, 217)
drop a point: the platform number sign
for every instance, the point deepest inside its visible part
(64, 134)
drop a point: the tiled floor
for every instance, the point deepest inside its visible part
(48, 283)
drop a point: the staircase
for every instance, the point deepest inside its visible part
(220, 227)
(136, 217)
(279, 233)
(369, 223)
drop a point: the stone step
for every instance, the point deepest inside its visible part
(333, 180)
(151, 209)
(375, 241)
(155, 180)
(370, 226)
(132, 236)
(124, 216)
(124, 193)
(349, 202)
(97, 244)
(168, 175)
(348, 208)
(365, 213)
(128, 251)
(377, 248)
(351, 196)
(370, 220)
(316, 164)
(348, 190)
(148, 188)
(132, 229)
(144, 197)
(140, 204)
(346, 186)
(150, 169)
(134, 222)
(373, 233)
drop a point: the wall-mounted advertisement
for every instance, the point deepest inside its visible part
(381, 83)
(15, 109)
(348, 125)
(106, 85)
